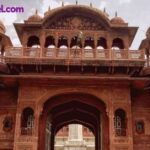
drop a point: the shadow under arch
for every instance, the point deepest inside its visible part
(75, 108)
(49, 95)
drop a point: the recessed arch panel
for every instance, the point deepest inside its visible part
(75, 108)
(77, 14)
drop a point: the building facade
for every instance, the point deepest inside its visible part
(75, 66)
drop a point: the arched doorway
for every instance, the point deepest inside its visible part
(73, 108)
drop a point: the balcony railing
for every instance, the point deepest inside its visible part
(56, 53)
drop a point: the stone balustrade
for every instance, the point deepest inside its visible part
(68, 53)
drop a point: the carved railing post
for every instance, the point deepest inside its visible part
(95, 47)
(42, 42)
(17, 129)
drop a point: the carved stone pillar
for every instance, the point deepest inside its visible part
(36, 122)
(69, 46)
(42, 43)
(126, 47)
(56, 39)
(109, 46)
(130, 128)
(24, 42)
(95, 46)
(110, 115)
(17, 129)
(56, 43)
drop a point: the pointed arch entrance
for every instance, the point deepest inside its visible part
(77, 108)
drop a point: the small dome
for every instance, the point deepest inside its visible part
(35, 17)
(2, 27)
(117, 20)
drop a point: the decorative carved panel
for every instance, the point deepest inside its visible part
(121, 95)
(121, 148)
(7, 123)
(24, 147)
(76, 22)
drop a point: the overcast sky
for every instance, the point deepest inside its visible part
(135, 12)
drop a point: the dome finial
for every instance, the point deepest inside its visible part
(62, 3)
(36, 12)
(104, 10)
(49, 8)
(76, 2)
(91, 4)
(116, 14)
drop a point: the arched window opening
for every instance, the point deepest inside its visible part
(51, 46)
(88, 47)
(88, 52)
(120, 122)
(101, 43)
(75, 47)
(33, 41)
(89, 41)
(115, 48)
(27, 121)
(63, 50)
(100, 47)
(140, 129)
(118, 44)
(50, 42)
(77, 134)
(34, 46)
(76, 42)
(63, 47)
(50, 51)
(63, 41)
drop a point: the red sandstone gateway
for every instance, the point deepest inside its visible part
(74, 67)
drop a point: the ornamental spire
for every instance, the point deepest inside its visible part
(49, 8)
(62, 3)
(104, 10)
(76, 2)
(116, 14)
(36, 12)
(91, 4)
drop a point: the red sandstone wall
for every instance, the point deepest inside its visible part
(141, 111)
(8, 99)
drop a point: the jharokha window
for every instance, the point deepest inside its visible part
(8, 124)
(139, 126)
(120, 122)
(27, 121)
